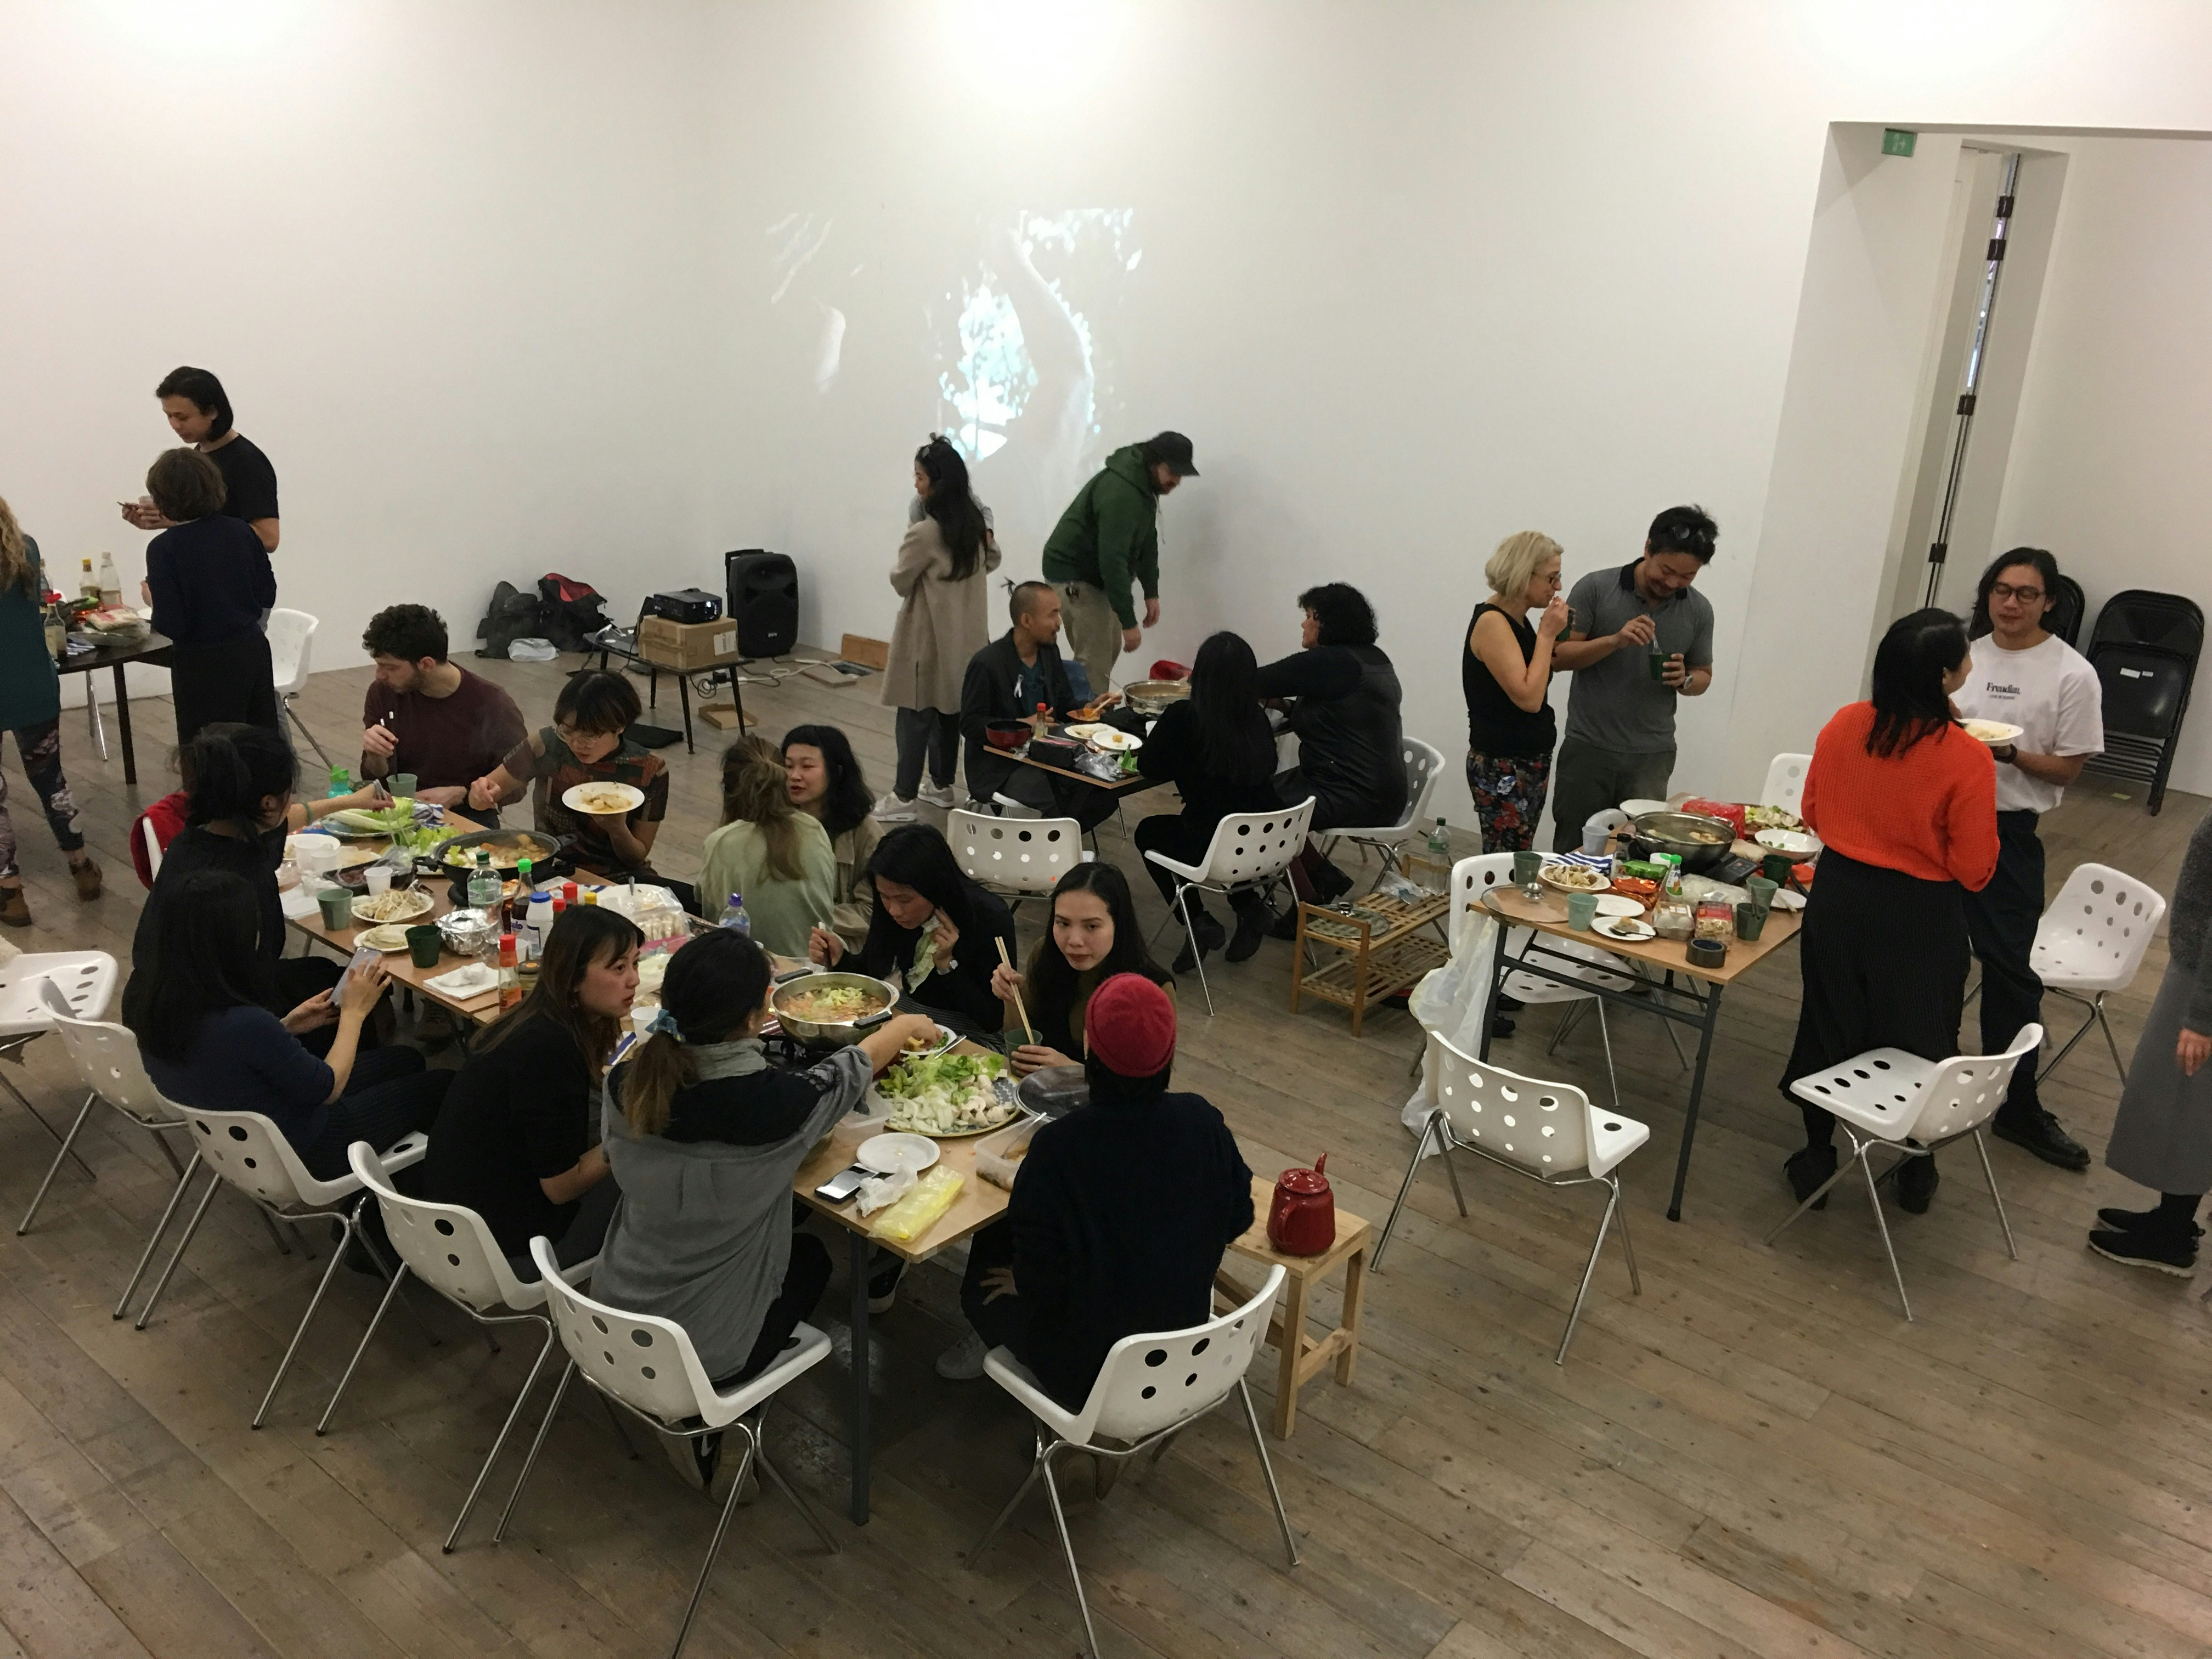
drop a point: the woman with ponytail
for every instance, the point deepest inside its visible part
(704, 1136)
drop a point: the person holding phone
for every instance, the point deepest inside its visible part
(198, 411)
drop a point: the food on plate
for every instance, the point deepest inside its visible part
(1992, 731)
(374, 821)
(505, 850)
(1579, 878)
(1092, 710)
(651, 969)
(1115, 740)
(833, 1004)
(391, 906)
(602, 798)
(1771, 817)
(388, 937)
(946, 1094)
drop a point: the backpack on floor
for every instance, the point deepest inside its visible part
(512, 615)
(570, 611)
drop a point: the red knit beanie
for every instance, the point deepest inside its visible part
(1130, 1026)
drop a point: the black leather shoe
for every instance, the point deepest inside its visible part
(1252, 919)
(2041, 1135)
(1807, 1170)
(1915, 1185)
(1285, 925)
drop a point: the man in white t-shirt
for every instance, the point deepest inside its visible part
(2026, 676)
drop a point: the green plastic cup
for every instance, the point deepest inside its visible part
(400, 783)
(1658, 659)
(337, 909)
(1776, 866)
(1762, 893)
(424, 946)
(1525, 866)
(1750, 920)
(1582, 910)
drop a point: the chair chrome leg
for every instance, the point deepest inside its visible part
(714, 1546)
(537, 1444)
(154, 1238)
(176, 1255)
(168, 1152)
(1036, 1467)
(1428, 1129)
(1881, 1222)
(2079, 1031)
(514, 1412)
(1566, 1023)
(69, 1145)
(392, 1271)
(322, 1288)
(1068, 1545)
(1444, 1155)
(1605, 1036)
(1620, 1215)
(302, 727)
(1183, 903)
(1843, 1169)
(276, 1232)
(1267, 1468)
(360, 1348)
(1589, 1271)
(24, 1101)
(813, 1519)
(1681, 1060)
(2111, 1042)
(1990, 1175)
(614, 1417)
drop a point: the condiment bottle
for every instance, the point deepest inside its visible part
(1040, 721)
(89, 586)
(568, 892)
(510, 982)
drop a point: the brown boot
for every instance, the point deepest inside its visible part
(87, 877)
(14, 910)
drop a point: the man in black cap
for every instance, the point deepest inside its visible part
(1109, 534)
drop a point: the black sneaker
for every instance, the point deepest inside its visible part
(2041, 1135)
(1915, 1185)
(1500, 1027)
(695, 1459)
(883, 1282)
(2137, 1221)
(1252, 919)
(1807, 1170)
(2148, 1250)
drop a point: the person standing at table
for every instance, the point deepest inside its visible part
(1109, 538)
(429, 716)
(1640, 638)
(1905, 803)
(2025, 675)
(209, 581)
(1505, 675)
(1007, 680)
(943, 567)
(199, 414)
(31, 708)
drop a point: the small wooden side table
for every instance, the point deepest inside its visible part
(1303, 1354)
(1383, 950)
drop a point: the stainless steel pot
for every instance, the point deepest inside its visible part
(830, 1034)
(1671, 832)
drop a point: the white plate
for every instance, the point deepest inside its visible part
(417, 903)
(1116, 741)
(1618, 904)
(1787, 841)
(1624, 928)
(1786, 899)
(1088, 730)
(390, 936)
(1991, 731)
(885, 1153)
(945, 1038)
(632, 799)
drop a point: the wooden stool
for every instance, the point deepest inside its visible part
(1302, 1355)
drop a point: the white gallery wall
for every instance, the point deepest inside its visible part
(609, 289)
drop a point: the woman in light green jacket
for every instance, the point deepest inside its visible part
(778, 857)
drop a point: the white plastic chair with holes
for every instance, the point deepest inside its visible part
(1015, 858)
(1549, 1132)
(1151, 1387)
(648, 1366)
(450, 1249)
(1915, 1107)
(2089, 944)
(248, 1151)
(1786, 783)
(1248, 852)
(1424, 763)
(152, 845)
(291, 639)
(36, 990)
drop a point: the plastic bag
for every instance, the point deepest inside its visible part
(1452, 1002)
(888, 1189)
(921, 1209)
(531, 651)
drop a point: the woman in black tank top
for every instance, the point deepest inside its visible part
(1505, 672)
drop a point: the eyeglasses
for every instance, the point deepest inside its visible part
(2024, 595)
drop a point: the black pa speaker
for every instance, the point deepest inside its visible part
(763, 601)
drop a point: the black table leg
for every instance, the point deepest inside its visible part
(1696, 1098)
(738, 694)
(684, 691)
(123, 722)
(651, 687)
(1497, 987)
(862, 1251)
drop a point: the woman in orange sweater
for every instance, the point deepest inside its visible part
(1905, 803)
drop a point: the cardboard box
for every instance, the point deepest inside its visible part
(869, 653)
(723, 716)
(686, 646)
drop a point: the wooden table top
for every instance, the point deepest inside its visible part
(1351, 1232)
(1548, 914)
(1128, 784)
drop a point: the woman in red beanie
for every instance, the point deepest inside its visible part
(1120, 1214)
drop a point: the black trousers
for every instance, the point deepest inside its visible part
(389, 1094)
(232, 681)
(804, 1281)
(582, 1239)
(1004, 1322)
(929, 733)
(2000, 920)
(1884, 959)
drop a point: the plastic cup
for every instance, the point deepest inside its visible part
(1762, 893)
(1525, 866)
(337, 909)
(379, 877)
(1595, 837)
(1750, 920)
(1658, 659)
(1775, 867)
(425, 945)
(400, 783)
(1582, 910)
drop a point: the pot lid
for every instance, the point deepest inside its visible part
(1305, 1181)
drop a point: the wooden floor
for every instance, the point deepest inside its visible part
(1756, 1456)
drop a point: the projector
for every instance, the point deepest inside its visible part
(684, 604)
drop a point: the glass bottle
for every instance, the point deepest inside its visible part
(510, 979)
(111, 585)
(88, 584)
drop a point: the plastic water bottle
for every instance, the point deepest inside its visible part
(484, 886)
(734, 915)
(1440, 843)
(537, 923)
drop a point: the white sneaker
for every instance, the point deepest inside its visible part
(939, 794)
(963, 1361)
(892, 809)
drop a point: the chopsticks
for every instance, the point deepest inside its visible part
(1028, 1030)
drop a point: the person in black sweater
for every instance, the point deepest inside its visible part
(1343, 697)
(1506, 674)
(1006, 680)
(209, 581)
(931, 925)
(1216, 747)
(1120, 1216)
(515, 1140)
(198, 411)
(1093, 936)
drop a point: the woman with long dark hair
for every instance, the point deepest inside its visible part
(827, 784)
(940, 574)
(1906, 804)
(198, 412)
(705, 1136)
(210, 1041)
(1218, 748)
(767, 850)
(515, 1140)
(1093, 936)
(933, 927)
(209, 581)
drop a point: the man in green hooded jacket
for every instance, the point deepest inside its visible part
(1109, 537)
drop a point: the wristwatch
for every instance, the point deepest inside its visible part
(2009, 754)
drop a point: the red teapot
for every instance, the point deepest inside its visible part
(1302, 1221)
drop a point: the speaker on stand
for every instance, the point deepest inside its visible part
(763, 601)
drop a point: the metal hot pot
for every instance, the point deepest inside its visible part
(1680, 833)
(830, 1033)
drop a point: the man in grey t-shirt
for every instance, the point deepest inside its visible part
(1641, 638)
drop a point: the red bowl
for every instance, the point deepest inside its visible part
(1006, 734)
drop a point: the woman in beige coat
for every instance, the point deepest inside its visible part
(943, 567)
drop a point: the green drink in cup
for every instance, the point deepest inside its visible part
(1659, 659)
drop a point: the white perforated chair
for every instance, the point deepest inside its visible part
(648, 1366)
(2089, 944)
(291, 641)
(248, 1151)
(1151, 1387)
(1015, 858)
(1605, 821)
(1915, 1107)
(1786, 783)
(1549, 1132)
(152, 845)
(1248, 852)
(450, 1248)
(1424, 763)
(36, 990)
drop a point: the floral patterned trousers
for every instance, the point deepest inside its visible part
(40, 748)
(1509, 793)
